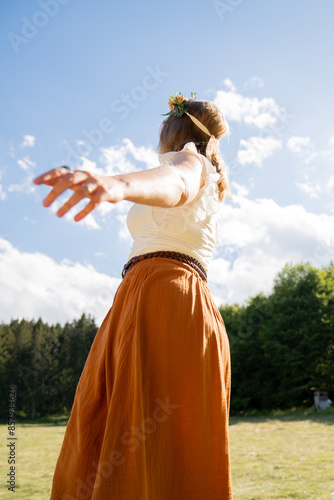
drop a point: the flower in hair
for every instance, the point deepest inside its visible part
(178, 105)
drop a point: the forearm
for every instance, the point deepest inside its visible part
(169, 186)
(158, 187)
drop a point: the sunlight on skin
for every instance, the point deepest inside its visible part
(84, 185)
(166, 186)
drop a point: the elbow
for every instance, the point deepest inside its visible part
(184, 193)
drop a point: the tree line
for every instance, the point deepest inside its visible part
(44, 363)
(281, 345)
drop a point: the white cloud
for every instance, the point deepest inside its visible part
(28, 141)
(330, 182)
(250, 110)
(256, 149)
(26, 186)
(34, 285)
(316, 177)
(239, 189)
(296, 144)
(11, 151)
(31, 221)
(230, 85)
(123, 232)
(328, 154)
(120, 159)
(100, 255)
(253, 83)
(142, 154)
(313, 177)
(26, 164)
(3, 195)
(88, 165)
(303, 147)
(313, 189)
(258, 238)
(89, 221)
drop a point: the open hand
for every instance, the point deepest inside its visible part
(97, 188)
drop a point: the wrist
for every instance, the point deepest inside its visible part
(118, 188)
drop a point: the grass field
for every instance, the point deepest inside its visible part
(285, 455)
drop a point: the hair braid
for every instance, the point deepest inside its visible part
(219, 165)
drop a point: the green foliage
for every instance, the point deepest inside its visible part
(44, 363)
(283, 344)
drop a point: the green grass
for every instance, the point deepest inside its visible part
(282, 455)
(38, 446)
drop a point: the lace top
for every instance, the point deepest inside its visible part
(190, 229)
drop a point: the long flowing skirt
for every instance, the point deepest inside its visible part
(150, 414)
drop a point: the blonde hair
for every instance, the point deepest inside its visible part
(177, 131)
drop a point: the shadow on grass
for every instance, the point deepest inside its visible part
(293, 415)
(253, 417)
(59, 420)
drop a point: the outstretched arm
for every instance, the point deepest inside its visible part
(172, 185)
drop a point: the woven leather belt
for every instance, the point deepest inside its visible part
(186, 259)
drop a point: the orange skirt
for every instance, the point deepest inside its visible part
(150, 414)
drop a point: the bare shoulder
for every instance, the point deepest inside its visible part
(189, 164)
(186, 157)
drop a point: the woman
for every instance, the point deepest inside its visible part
(150, 415)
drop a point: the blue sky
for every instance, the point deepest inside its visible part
(85, 83)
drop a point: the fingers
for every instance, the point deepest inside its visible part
(67, 181)
(87, 210)
(79, 194)
(84, 185)
(53, 176)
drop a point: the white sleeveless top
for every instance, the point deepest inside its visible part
(190, 229)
